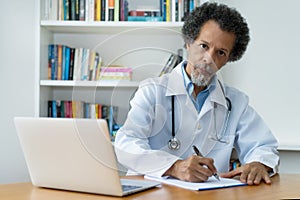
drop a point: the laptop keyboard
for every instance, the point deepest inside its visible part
(130, 187)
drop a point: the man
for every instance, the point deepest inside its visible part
(190, 106)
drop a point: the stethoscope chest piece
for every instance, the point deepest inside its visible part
(174, 144)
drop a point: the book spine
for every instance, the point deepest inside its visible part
(117, 11)
(97, 10)
(63, 62)
(180, 10)
(126, 10)
(71, 66)
(168, 10)
(191, 8)
(67, 63)
(111, 9)
(54, 111)
(82, 10)
(60, 10)
(54, 66)
(72, 10)
(66, 10)
(50, 46)
(77, 9)
(91, 65)
(59, 61)
(173, 10)
(50, 109)
(103, 10)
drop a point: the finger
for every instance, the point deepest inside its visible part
(267, 179)
(209, 163)
(200, 177)
(251, 177)
(257, 179)
(231, 174)
(244, 176)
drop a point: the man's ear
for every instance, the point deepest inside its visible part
(187, 45)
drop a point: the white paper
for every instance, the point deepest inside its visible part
(211, 183)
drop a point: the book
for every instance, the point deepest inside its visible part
(50, 109)
(59, 61)
(97, 16)
(81, 10)
(103, 10)
(67, 63)
(116, 73)
(211, 183)
(72, 10)
(170, 64)
(50, 47)
(66, 9)
(77, 4)
(116, 11)
(111, 10)
(145, 18)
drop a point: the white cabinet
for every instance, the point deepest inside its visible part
(144, 46)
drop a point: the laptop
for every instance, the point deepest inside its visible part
(73, 154)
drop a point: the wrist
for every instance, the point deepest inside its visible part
(172, 170)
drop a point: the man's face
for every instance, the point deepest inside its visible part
(208, 53)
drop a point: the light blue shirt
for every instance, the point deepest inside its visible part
(189, 86)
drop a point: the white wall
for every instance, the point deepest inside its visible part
(16, 83)
(269, 71)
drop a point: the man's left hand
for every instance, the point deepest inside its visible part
(250, 173)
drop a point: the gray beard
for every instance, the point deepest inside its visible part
(200, 80)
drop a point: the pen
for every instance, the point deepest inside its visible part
(196, 150)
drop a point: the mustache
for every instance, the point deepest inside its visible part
(205, 68)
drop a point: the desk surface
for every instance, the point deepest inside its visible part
(284, 186)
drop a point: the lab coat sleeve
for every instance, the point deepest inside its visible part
(255, 141)
(132, 140)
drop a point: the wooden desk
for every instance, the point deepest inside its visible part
(283, 186)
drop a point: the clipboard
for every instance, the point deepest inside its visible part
(210, 184)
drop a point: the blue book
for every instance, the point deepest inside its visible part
(54, 110)
(67, 63)
(51, 56)
(63, 62)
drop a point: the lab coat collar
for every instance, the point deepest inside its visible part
(218, 94)
(175, 84)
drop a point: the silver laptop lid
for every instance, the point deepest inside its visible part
(70, 154)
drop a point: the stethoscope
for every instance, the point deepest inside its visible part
(174, 143)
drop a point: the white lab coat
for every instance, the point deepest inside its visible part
(141, 145)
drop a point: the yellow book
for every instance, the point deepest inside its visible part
(168, 10)
(59, 61)
(97, 10)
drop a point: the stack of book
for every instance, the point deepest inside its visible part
(172, 62)
(115, 73)
(118, 10)
(67, 63)
(80, 109)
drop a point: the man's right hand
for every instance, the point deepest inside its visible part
(193, 169)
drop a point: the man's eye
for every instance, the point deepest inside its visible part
(203, 46)
(222, 53)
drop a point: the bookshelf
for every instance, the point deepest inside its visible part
(144, 46)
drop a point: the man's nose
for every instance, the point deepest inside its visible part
(208, 57)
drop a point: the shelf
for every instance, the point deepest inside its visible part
(111, 27)
(106, 83)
